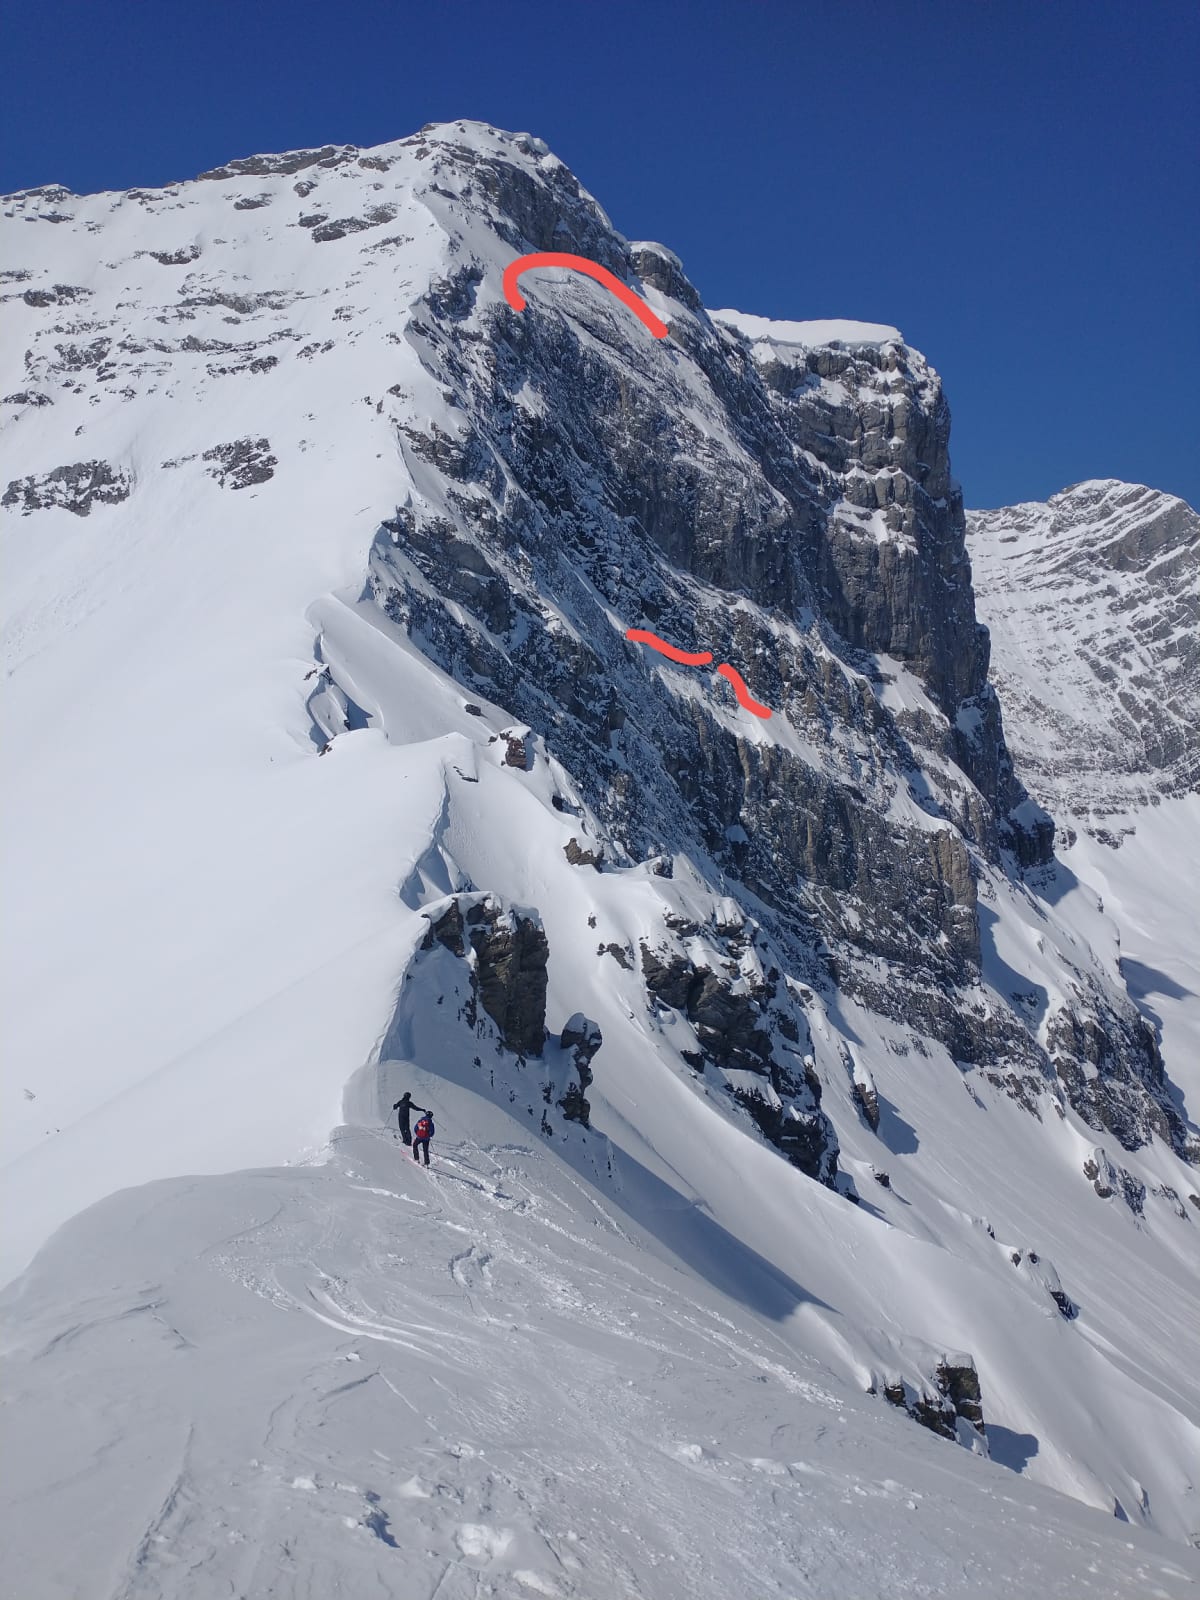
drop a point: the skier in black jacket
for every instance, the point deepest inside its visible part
(405, 1107)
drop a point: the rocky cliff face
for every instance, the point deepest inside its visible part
(1093, 601)
(783, 503)
(789, 508)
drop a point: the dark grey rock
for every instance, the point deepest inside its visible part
(176, 258)
(674, 981)
(76, 488)
(1166, 1192)
(959, 1382)
(241, 463)
(1133, 1191)
(868, 1104)
(1099, 1172)
(952, 1393)
(341, 226)
(734, 1031)
(583, 1036)
(1065, 1304)
(1110, 1067)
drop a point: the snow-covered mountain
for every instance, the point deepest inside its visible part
(764, 1048)
(1093, 603)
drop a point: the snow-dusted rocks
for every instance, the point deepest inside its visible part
(241, 463)
(583, 1038)
(76, 488)
(509, 952)
(581, 1035)
(747, 1030)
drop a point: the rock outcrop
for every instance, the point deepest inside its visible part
(76, 488)
(742, 1028)
(582, 1038)
(241, 463)
(949, 1397)
(509, 973)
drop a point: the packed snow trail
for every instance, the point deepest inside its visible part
(366, 1378)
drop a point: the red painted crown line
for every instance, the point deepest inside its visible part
(701, 659)
(558, 258)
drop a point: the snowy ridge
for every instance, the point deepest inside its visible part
(266, 612)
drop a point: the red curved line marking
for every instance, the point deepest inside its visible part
(558, 258)
(687, 659)
(743, 694)
(700, 658)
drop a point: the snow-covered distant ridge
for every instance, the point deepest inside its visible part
(808, 335)
(1093, 602)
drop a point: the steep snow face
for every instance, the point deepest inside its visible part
(319, 563)
(1093, 601)
(1148, 886)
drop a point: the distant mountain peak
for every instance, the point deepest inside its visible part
(1093, 602)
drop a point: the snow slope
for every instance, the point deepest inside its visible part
(242, 792)
(1149, 887)
(484, 1379)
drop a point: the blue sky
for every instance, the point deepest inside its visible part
(1015, 185)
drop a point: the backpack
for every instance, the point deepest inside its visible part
(424, 1128)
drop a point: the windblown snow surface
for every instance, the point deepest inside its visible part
(275, 1359)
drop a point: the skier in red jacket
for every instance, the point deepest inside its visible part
(422, 1134)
